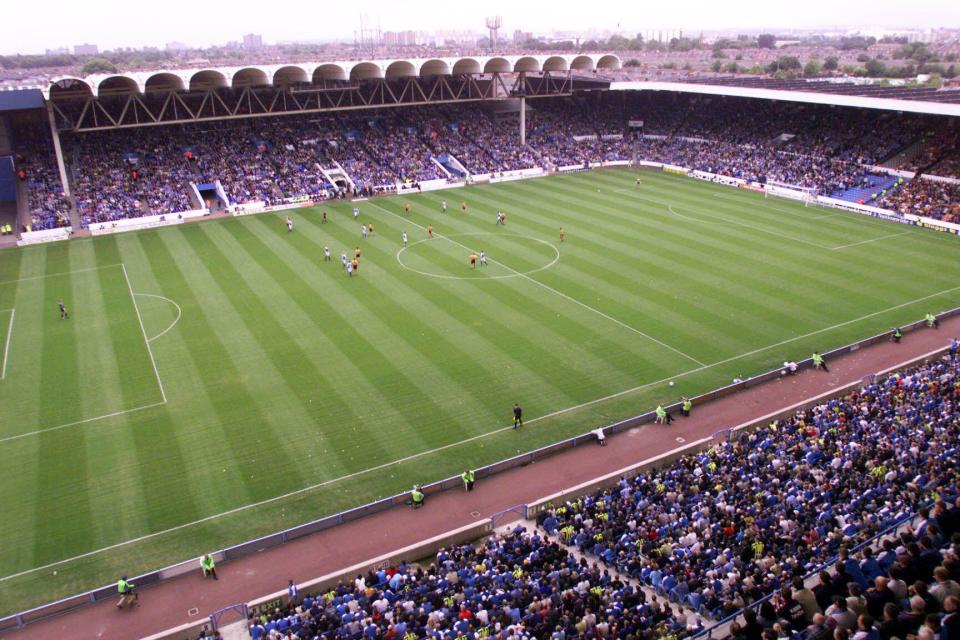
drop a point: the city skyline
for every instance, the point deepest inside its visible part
(154, 26)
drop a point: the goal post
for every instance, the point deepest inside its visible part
(806, 195)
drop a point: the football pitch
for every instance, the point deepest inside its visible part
(220, 381)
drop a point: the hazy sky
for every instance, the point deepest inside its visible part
(32, 26)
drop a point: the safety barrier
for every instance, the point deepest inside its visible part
(275, 539)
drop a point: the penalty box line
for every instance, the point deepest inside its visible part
(552, 290)
(113, 414)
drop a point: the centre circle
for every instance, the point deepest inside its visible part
(495, 260)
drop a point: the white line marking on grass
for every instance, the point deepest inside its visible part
(480, 233)
(175, 321)
(754, 227)
(6, 345)
(854, 244)
(60, 273)
(79, 422)
(551, 289)
(459, 442)
(680, 215)
(146, 341)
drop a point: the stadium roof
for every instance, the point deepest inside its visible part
(284, 75)
(913, 100)
(21, 99)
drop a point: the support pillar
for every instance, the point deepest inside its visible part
(58, 151)
(523, 121)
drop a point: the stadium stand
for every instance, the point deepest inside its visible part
(140, 171)
(519, 584)
(36, 167)
(751, 517)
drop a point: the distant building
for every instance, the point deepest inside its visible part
(252, 41)
(176, 46)
(86, 50)
(62, 51)
(522, 37)
(390, 38)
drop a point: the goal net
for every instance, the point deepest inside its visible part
(806, 195)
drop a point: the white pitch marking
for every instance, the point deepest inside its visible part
(79, 422)
(6, 345)
(854, 244)
(459, 442)
(61, 273)
(175, 321)
(479, 233)
(146, 341)
(551, 289)
(755, 228)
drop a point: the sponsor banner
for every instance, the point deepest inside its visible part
(936, 225)
(635, 124)
(612, 136)
(652, 165)
(713, 177)
(651, 136)
(584, 138)
(751, 186)
(430, 185)
(571, 167)
(254, 206)
(520, 174)
(672, 168)
(907, 175)
(867, 210)
(944, 179)
(615, 163)
(133, 224)
(258, 206)
(44, 235)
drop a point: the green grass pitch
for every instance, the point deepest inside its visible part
(220, 381)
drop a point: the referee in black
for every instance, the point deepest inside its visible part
(517, 415)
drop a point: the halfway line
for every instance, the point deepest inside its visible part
(146, 340)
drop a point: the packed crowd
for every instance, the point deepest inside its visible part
(725, 527)
(274, 160)
(122, 174)
(928, 198)
(514, 585)
(35, 166)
